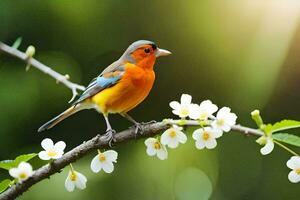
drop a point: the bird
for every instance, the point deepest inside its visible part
(119, 88)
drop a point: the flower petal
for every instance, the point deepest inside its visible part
(151, 151)
(268, 148)
(175, 105)
(111, 155)
(179, 128)
(58, 154)
(14, 172)
(108, 167)
(194, 111)
(176, 112)
(162, 153)
(165, 138)
(231, 119)
(210, 144)
(197, 134)
(173, 143)
(26, 168)
(293, 162)
(186, 99)
(47, 144)
(96, 165)
(208, 106)
(150, 141)
(69, 185)
(217, 132)
(294, 177)
(43, 155)
(60, 146)
(81, 181)
(182, 138)
(199, 144)
(226, 128)
(223, 112)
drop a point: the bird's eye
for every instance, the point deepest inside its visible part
(147, 50)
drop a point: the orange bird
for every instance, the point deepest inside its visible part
(120, 87)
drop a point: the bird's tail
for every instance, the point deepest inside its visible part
(70, 111)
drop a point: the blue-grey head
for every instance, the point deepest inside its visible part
(142, 49)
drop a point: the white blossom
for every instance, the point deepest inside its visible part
(154, 147)
(224, 119)
(202, 111)
(52, 151)
(268, 144)
(75, 179)
(22, 172)
(104, 161)
(206, 137)
(182, 109)
(294, 164)
(173, 136)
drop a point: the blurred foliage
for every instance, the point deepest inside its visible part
(240, 53)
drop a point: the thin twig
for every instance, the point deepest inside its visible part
(40, 66)
(238, 128)
(286, 148)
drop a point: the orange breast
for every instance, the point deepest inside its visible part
(131, 90)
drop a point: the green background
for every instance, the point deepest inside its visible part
(238, 53)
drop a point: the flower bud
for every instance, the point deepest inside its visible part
(30, 51)
(257, 118)
(67, 76)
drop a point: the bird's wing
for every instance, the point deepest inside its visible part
(109, 77)
(112, 67)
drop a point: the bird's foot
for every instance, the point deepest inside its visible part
(139, 127)
(109, 136)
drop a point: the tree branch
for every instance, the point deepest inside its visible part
(96, 143)
(40, 66)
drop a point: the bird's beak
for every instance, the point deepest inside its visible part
(162, 52)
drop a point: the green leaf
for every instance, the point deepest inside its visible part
(282, 125)
(287, 138)
(8, 164)
(4, 185)
(25, 157)
(17, 43)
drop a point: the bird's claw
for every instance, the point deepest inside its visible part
(109, 136)
(139, 127)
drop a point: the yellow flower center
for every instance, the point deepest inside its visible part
(205, 136)
(184, 112)
(297, 171)
(73, 176)
(203, 115)
(23, 175)
(102, 157)
(172, 133)
(157, 145)
(51, 153)
(220, 122)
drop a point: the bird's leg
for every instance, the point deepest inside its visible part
(138, 126)
(109, 135)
